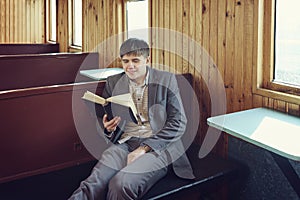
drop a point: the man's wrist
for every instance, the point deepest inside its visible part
(146, 148)
(108, 133)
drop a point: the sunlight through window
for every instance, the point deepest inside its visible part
(137, 19)
(287, 42)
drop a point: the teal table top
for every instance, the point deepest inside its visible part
(101, 74)
(272, 130)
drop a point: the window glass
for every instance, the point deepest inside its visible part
(287, 42)
(77, 23)
(137, 19)
(51, 31)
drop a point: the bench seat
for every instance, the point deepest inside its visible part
(212, 172)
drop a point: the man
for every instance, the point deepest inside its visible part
(140, 157)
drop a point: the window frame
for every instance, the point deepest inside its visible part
(72, 45)
(263, 83)
(49, 24)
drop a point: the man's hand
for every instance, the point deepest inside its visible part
(112, 124)
(137, 153)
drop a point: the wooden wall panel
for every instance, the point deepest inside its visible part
(225, 29)
(22, 21)
(103, 22)
(2, 21)
(62, 31)
(260, 101)
(238, 67)
(179, 40)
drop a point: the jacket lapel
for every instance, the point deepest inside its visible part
(152, 88)
(121, 87)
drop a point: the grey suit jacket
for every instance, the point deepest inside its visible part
(166, 115)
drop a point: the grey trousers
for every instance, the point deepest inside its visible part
(112, 179)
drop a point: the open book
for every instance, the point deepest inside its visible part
(119, 105)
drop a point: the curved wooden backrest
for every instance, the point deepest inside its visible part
(25, 71)
(16, 49)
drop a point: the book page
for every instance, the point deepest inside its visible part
(124, 100)
(94, 98)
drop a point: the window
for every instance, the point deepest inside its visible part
(278, 45)
(51, 20)
(287, 42)
(137, 19)
(75, 22)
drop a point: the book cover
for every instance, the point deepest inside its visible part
(120, 105)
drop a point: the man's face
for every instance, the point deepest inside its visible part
(135, 67)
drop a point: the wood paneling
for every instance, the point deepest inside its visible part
(103, 27)
(62, 34)
(22, 21)
(283, 106)
(225, 30)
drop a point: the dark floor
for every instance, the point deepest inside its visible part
(57, 185)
